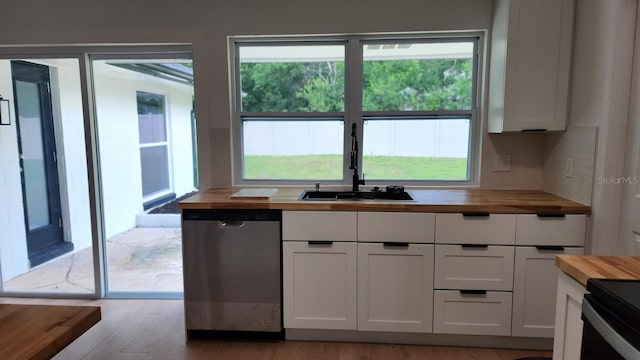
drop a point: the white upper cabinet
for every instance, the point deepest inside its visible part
(530, 65)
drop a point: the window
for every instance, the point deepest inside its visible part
(417, 105)
(154, 154)
(292, 111)
(413, 100)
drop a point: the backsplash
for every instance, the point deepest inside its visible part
(577, 145)
(526, 152)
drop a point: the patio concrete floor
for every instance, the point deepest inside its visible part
(139, 260)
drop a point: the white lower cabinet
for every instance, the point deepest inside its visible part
(534, 289)
(568, 326)
(319, 284)
(473, 273)
(484, 274)
(395, 287)
(472, 312)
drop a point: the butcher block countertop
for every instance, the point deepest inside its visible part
(450, 200)
(584, 267)
(41, 331)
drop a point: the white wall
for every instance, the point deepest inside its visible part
(601, 83)
(629, 243)
(72, 160)
(13, 241)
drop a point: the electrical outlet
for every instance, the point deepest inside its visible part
(568, 169)
(502, 162)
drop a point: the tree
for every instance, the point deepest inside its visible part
(272, 86)
(324, 89)
(417, 85)
(387, 85)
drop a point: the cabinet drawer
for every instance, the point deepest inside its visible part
(497, 229)
(396, 227)
(568, 230)
(319, 225)
(472, 314)
(486, 267)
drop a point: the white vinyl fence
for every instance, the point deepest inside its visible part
(419, 138)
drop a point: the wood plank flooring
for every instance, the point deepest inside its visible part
(154, 330)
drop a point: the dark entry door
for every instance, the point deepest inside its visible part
(36, 144)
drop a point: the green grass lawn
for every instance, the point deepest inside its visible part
(329, 167)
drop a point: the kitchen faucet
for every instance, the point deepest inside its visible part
(354, 159)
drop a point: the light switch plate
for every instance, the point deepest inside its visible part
(502, 162)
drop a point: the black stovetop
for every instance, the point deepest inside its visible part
(618, 302)
(621, 296)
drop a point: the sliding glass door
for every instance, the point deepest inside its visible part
(98, 150)
(143, 114)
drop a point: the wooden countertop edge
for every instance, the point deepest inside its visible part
(384, 206)
(495, 201)
(584, 267)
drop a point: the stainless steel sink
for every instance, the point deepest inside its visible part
(331, 195)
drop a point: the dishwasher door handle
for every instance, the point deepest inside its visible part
(230, 223)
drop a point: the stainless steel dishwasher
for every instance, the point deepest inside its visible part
(232, 272)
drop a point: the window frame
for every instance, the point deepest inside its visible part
(353, 98)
